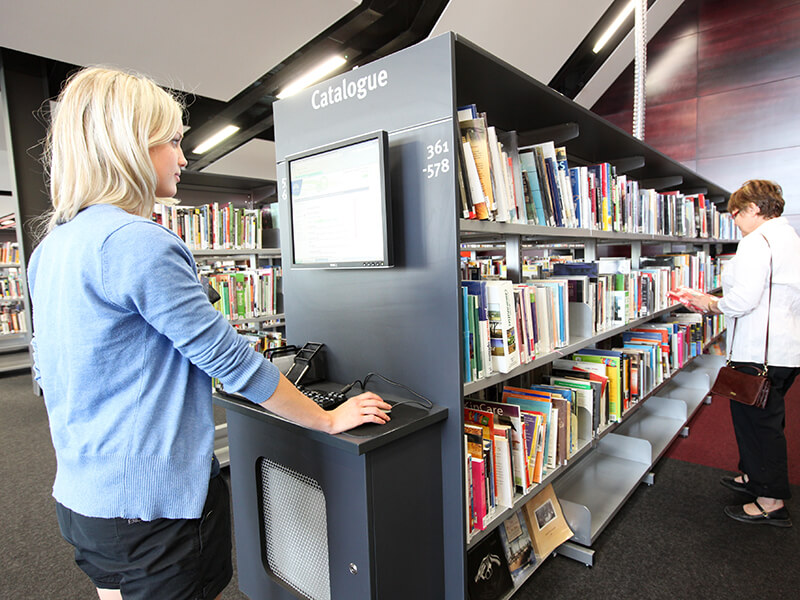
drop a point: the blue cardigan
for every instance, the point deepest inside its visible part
(125, 344)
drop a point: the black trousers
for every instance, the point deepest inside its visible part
(760, 435)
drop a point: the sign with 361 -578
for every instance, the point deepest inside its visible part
(436, 167)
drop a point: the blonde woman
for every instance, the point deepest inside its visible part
(125, 345)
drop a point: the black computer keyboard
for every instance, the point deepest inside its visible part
(327, 400)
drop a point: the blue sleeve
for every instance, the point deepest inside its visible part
(147, 270)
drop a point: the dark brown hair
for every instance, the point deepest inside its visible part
(766, 195)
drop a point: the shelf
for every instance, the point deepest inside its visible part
(12, 300)
(198, 180)
(11, 342)
(656, 418)
(692, 388)
(10, 265)
(521, 499)
(659, 421)
(261, 252)
(474, 227)
(508, 100)
(15, 361)
(593, 491)
(263, 319)
(592, 494)
(573, 346)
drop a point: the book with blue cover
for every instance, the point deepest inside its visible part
(536, 214)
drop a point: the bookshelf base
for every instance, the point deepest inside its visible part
(577, 553)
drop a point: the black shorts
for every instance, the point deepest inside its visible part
(169, 559)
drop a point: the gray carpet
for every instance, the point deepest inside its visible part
(669, 541)
(38, 562)
(672, 541)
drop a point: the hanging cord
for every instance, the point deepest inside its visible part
(640, 67)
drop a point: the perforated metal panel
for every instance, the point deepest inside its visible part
(295, 529)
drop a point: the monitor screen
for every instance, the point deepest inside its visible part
(339, 205)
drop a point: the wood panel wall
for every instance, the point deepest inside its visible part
(723, 93)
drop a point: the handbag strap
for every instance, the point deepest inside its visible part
(769, 308)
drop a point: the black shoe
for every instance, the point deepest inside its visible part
(732, 484)
(778, 517)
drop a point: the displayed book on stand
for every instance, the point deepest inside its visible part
(488, 575)
(545, 522)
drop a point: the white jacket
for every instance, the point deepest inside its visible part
(745, 282)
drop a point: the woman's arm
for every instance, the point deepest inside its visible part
(153, 275)
(748, 280)
(291, 404)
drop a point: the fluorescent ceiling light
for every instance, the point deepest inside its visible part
(312, 76)
(613, 27)
(216, 139)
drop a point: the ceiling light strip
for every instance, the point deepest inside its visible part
(614, 26)
(312, 76)
(215, 139)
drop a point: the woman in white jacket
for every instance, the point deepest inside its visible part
(750, 308)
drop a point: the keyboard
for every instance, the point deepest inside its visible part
(326, 400)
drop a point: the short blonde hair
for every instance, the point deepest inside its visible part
(97, 148)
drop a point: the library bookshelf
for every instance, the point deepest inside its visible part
(15, 313)
(15, 310)
(406, 322)
(204, 189)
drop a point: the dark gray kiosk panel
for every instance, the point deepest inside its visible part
(367, 504)
(347, 516)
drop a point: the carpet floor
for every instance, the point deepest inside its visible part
(670, 540)
(711, 441)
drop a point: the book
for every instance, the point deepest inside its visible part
(560, 304)
(510, 143)
(502, 325)
(508, 414)
(479, 494)
(535, 439)
(485, 420)
(585, 396)
(478, 289)
(472, 182)
(517, 546)
(528, 401)
(488, 575)
(474, 131)
(501, 186)
(534, 206)
(504, 470)
(613, 363)
(546, 523)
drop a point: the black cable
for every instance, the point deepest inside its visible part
(424, 403)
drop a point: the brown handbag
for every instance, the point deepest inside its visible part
(733, 384)
(736, 385)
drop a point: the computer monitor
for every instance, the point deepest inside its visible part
(339, 205)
